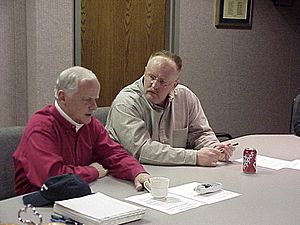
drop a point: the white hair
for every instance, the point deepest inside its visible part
(68, 79)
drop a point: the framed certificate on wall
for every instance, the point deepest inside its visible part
(233, 14)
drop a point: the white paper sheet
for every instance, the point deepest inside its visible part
(171, 205)
(181, 198)
(187, 190)
(295, 164)
(268, 162)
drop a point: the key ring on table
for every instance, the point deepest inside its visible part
(34, 211)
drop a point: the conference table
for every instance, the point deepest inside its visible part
(268, 197)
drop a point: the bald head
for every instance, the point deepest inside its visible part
(165, 65)
(170, 56)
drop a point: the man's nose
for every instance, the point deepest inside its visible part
(94, 104)
(155, 84)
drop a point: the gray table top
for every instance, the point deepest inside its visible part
(269, 197)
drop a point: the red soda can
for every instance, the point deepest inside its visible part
(249, 160)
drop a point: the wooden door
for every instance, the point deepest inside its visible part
(117, 37)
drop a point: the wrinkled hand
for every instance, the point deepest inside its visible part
(208, 156)
(226, 150)
(101, 170)
(139, 180)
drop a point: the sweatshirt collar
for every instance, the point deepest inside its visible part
(69, 119)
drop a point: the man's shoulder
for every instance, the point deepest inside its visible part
(183, 90)
(43, 119)
(129, 94)
(45, 112)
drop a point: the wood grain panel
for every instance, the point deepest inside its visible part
(117, 37)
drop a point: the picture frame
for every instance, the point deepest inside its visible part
(233, 14)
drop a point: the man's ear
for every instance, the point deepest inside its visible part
(176, 83)
(61, 96)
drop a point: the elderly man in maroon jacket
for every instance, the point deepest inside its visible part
(65, 137)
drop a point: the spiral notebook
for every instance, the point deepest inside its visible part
(98, 209)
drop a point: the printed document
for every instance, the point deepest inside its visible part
(187, 190)
(181, 198)
(172, 204)
(268, 162)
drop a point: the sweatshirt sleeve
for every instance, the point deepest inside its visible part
(115, 158)
(129, 129)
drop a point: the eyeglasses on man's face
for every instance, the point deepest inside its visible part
(161, 82)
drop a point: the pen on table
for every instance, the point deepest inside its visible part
(63, 219)
(232, 144)
(67, 221)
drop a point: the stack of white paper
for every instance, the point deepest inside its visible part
(98, 209)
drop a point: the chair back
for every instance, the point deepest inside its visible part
(101, 114)
(223, 136)
(294, 109)
(9, 140)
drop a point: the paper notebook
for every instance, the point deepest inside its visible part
(97, 209)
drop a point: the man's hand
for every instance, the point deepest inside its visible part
(226, 150)
(102, 172)
(208, 156)
(139, 180)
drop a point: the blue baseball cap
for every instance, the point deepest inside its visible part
(58, 188)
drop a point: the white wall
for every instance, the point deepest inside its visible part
(245, 79)
(13, 95)
(36, 43)
(50, 36)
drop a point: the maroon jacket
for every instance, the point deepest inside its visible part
(50, 146)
